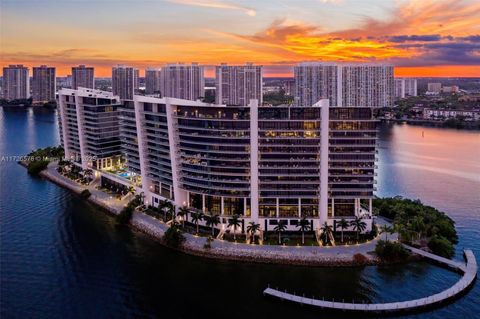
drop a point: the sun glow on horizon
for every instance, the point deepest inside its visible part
(421, 38)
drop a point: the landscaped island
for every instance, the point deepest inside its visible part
(346, 243)
(418, 225)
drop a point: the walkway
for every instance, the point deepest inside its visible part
(469, 271)
(99, 197)
(295, 255)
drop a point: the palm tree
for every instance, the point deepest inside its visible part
(212, 221)
(196, 217)
(304, 226)
(235, 222)
(162, 208)
(88, 173)
(358, 225)
(252, 228)
(343, 224)
(418, 226)
(281, 227)
(131, 190)
(171, 210)
(387, 230)
(183, 213)
(327, 230)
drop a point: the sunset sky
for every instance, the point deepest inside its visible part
(421, 38)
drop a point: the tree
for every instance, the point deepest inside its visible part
(281, 227)
(212, 221)
(358, 225)
(252, 228)
(343, 224)
(196, 217)
(173, 237)
(88, 173)
(171, 210)
(162, 208)
(304, 226)
(234, 222)
(183, 213)
(387, 230)
(327, 230)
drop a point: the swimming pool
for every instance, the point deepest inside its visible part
(125, 175)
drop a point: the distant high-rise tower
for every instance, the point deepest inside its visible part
(83, 76)
(43, 84)
(315, 81)
(238, 84)
(16, 82)
(434, 87)
(344, 84)
(405, 87)
(124, 81)
(367, 85)
(152, 81)
(183, 81)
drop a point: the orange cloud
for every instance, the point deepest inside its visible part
(419, 35)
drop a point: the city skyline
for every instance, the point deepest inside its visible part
(421, 38)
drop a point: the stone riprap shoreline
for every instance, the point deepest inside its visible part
(338, 256)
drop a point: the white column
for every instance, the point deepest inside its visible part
(333, 207)
(63, 123)
(339, 86)
(245, 206)
(180, 195)
(141, 140)
(277, 207)
(221, 206)
(254, 160)
(324, 139)
(203, 203)
(81, 136)
(370, 208)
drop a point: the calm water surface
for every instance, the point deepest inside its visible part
(62, 258)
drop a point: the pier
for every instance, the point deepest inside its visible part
(469, 274)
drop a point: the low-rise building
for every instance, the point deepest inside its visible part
(442, 114)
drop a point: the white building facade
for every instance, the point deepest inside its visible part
(183, 81)
(43, 84)
(344, 84)
(152, 81)
(16, 82)
(264, 164)
(238, 84)
(83, 77)
(405, 87)
(125, 81)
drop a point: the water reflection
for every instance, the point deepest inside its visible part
(62, 257)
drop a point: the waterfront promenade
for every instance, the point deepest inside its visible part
(469, 274)
(340, 255)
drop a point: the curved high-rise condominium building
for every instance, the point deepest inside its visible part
(264, 164)
(352, 84)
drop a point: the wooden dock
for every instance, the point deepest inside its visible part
(469, 271)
